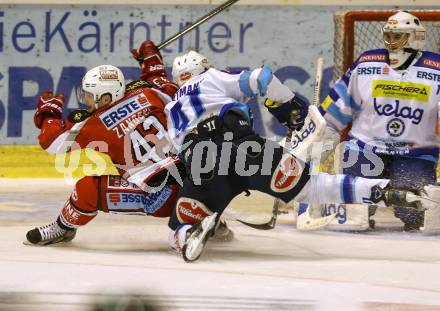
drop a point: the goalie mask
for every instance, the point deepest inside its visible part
(189, 65)
(403, 36)
(102, 80)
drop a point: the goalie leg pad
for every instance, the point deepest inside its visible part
(432, 215)
(349, 217)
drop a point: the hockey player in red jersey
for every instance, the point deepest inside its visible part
(128, 124)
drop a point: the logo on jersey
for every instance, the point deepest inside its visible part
(136, 84)
(148, 203)
(395, 127)
(431, 63)
(428, 76)
(372, 58)
(372, 70)
(404, 112)
(403, 90)
(126, 109)
(287, 174)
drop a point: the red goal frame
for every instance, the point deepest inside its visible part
(368, 15)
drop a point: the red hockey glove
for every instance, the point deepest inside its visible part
(153, 69)
(48, 106)
(150, 60)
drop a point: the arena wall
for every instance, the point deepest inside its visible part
(48, 45)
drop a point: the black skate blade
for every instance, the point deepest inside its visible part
(58, 244)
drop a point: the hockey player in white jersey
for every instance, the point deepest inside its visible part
(210, 127)
(391, 97)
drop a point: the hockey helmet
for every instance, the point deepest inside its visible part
(189, 65)
(101, 80)
(403, 35)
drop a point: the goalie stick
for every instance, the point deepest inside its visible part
(200, 21)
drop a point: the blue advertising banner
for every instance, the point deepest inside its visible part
(51, 47)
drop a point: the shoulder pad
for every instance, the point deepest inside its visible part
(78, 115)
(136, 85)
(429, 60)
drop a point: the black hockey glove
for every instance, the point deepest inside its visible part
(291, 114)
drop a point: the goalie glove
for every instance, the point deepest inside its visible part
(48, 106)
(291, 113)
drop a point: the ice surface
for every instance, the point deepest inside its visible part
(282, 269)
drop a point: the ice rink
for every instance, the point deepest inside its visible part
(116, 256)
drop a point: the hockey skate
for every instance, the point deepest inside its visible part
(49, 234)
(197, 237)
(400, 197)
(222, 233)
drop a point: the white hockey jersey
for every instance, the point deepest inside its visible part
(215, 92)
(393, 112)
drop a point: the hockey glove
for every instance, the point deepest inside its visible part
(291, 113)
(153, 69)
(48, 106)
(149, 59)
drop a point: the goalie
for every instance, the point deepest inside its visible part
(391, 96)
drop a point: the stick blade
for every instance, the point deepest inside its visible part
(266, 226)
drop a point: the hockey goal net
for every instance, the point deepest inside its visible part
(359, 31)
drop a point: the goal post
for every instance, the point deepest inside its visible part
(359, 31)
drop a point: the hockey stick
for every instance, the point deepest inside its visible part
(318, 81)
(304, 220)
(264, 226)
(200, 21)
(316, 95)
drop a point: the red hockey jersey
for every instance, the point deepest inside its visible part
(132, 131)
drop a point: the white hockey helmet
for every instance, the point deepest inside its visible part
(104, 79)
(189, 65)
(403, 34)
